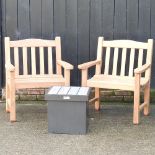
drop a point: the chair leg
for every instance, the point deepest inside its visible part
(7, 98)
(12, 103)
(136, 111)
(97, 95)
(147, 99)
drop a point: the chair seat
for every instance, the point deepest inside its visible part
(38, 81)
(114, 82)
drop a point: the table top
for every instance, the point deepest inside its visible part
(71, 90)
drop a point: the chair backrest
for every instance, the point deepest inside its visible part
(126, 49)
(15, 47)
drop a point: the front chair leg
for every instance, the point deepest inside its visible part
(12, 98)
(97, 95)
(147, 99)
(136, 110)
(7, 98)
(13, 105)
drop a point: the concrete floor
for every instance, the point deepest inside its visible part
(111, 132)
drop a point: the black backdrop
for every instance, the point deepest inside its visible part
(79, 23)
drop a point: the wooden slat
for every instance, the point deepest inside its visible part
(115, 60)
(140, 58)
(141, 107)
(25, 61)
(132, 56)
(7, 50)
(54, 90)
(16, 57)
(50, 62)
(123, 61)
(41, 60)
(107, 61)
(32, 43)
(64, 90)
(125, 44)
(33, 60)
(93, 100)
(83, 91)
(73, 91)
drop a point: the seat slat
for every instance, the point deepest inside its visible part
(123, 61)
(140, 58)
(33, 43)
(107, 61)
(16, 57)
(114, 82)
(41, 60)
(115, 60)
(50, 63)
(132, 55)
(25, 61)
(125, 44)
(33, 60)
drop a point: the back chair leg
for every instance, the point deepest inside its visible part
(97, 95)
(7, 98)
(136, 110)
(147, 99)
(12, 103)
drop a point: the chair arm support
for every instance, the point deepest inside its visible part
(10, 67)
(142, 69)
(89, 64)
(65, 65)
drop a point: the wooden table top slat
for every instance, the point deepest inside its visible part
(83, 91)
(64, 90)
(73, 91)
(54, 90)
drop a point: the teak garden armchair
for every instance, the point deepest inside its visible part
(15, 80)
(129, 79)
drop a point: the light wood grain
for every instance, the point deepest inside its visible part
(106, 70)
(123, 61)
(41, 60)
(115, 60)
(14, 81)
(129, 82)
(25, 67)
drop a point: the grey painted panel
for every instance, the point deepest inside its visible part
(108, 18)
(95, 26)
(23, 19)
(132, 19)
(144, 20)
(71, 54)
(79, 23)
(11, 19)
(83, 33)
(47, 19)
(1, 54)
(3, 16)
(35, 18)
(120, 19)
(60, 22)
(3, 35)
(153, 36)
(67, 117)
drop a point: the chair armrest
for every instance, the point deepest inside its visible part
(10, 67)
(142, 69)
(65, 65)
(89, 64)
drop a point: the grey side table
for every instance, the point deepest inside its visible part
(67, 109)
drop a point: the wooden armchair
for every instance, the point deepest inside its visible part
(30, 78)
(127, 78)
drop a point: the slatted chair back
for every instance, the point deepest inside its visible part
(123, 46)
(33, 44)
